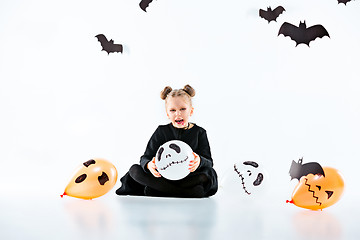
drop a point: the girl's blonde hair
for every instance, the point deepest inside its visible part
(187, 92)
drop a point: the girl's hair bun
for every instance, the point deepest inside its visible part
(189, 90)
(165, 92)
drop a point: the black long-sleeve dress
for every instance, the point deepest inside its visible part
(200, 183)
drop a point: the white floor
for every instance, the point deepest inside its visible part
(223, 216)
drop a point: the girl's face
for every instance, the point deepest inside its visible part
(179, 110)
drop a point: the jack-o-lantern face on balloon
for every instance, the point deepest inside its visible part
(173, 158)
(317, 191)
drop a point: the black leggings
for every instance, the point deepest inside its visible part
(138, 182)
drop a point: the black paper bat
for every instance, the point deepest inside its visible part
(109, 46)
(144, 4)
(297, 169)
(271, 15)
(343, 1)
(303, 34)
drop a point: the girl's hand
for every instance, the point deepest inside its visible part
(194, 164)
(152, 168)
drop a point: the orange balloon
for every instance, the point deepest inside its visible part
(317, 192)
(92, 179)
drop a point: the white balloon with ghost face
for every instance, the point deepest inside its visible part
(246, 178)
(172, 159)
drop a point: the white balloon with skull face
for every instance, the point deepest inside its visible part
(247, 178)
(173, 158)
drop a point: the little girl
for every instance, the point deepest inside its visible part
(145, 180)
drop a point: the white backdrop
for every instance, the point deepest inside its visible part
(64, 101)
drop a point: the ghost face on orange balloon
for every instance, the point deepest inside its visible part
(317, 192)
(92, 179)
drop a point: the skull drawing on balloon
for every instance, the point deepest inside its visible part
(173, 158)
(249, 176)
(246, 178)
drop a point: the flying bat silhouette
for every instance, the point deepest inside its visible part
(303, 34)
(144, 4)
(297, 169)
(108, 46)
(271, 15)
(343, 1)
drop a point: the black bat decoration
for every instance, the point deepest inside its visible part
(109, 46)
(303, 34)
(144, 4)
(297, 169)
(271, 15)
(343, 1)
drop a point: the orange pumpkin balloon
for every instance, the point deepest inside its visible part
(317, 192)
(92, 179)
